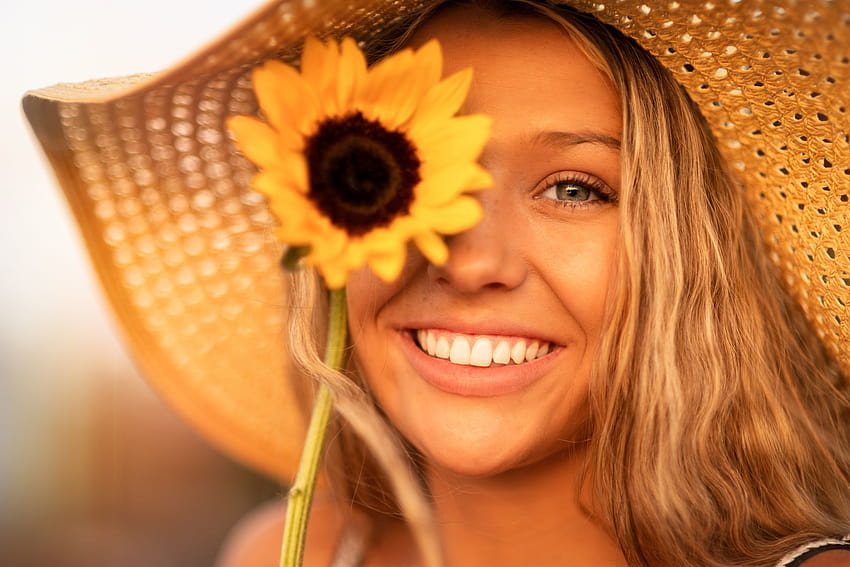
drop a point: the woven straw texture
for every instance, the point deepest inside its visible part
(183, 246)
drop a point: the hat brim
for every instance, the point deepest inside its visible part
(183, 247)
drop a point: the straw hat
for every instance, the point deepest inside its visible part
(183, 246)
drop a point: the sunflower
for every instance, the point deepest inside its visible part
(356, 162)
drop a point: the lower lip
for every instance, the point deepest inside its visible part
(474, 381)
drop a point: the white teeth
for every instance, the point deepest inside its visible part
(431, 343)
(460, 351)
(531, 352)
(482, 353)
(518, 352)
(502, 354)
(442, 348)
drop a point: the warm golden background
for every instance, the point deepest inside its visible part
(94, 470)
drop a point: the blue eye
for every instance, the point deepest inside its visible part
(575, 189)
(570, 191)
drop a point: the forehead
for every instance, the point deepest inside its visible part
(529, 75)
(484, 32)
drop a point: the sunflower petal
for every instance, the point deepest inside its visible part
(335, 275)
(273, 186)
(447, 183)
(385, 240)
(259, 142)
(381, 80)
(444, 99)
(388, 266)
(293, 213)
(292, 220)
(432, 247)
(290, 172)
(320, 69)
(332, 244)
(428, 60)
(397, 85)
(298, 230)
(461, 139)
(352, 72)
(286, 100)
(461, 214)
(355, 254)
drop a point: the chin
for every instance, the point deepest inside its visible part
(472, 464)
(479, 449)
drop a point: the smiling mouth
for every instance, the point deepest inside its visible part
(480, 350)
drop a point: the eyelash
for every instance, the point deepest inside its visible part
(596, 186)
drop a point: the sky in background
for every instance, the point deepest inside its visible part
(55, 331)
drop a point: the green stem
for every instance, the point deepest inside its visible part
(301, 492)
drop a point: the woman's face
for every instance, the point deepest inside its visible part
(483, 363)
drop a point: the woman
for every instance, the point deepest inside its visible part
(607, 370)
(651, 440)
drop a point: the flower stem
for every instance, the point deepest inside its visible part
(301, 492)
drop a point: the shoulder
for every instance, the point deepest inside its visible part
(256, 540)
(831, 558)
(821, 553)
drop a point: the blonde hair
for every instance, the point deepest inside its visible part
(719, 436)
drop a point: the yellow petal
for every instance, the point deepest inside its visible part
(428, 60)
(447, 183)
(396, 85)
(385, 248)
(329, 255)
(335, 275)
(286, 100)
(296, 235)
(481, 179)
(315, 57)
(355, 254)
(380, 81)
(432, 247)
(259, 142)
(444, 99)
(298, 227)
(387, 266)
(352, 72)
(381, 240)
(330, 242)
(319, 67)
(290, 171)
(461, 139)
(294, 226)
(461, 214)
(273, 186)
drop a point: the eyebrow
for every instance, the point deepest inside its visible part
(556, 138)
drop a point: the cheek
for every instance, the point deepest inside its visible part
(368, 295)
(364, 296)
(580, 273)
(367, 298)
(360, 297)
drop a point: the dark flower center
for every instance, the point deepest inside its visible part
(362, 175)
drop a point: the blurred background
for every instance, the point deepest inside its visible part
(94, 470)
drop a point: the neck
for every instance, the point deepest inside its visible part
(527, 516)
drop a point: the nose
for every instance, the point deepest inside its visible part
(487, 256)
